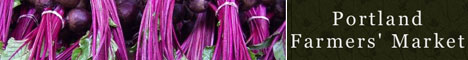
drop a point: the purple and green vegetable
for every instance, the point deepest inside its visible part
(142, 30)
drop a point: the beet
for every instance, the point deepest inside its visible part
(84, 4)
(130, 17)
(68, 37)
(79, 20)
(40, 4)
(280, 7)
(180, 12)
(248, 3)
(68, 3)
(127, 12)
(197, 5)
(119, 1)
(268, 2)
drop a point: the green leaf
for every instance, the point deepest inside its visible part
(259, 53)
(133, 49)
(264, 44)
(278, 50)
(114, 48)
(84, 51)
(219, 23)
(17, 3)
(11, 48)
(177, 56)
(114, 45)
(112, 23)
(76, 53)
(1, 45)
(158, 25)
(208, 53)
(183, 57)
(60, 50)
(252, 55)
(160, 38)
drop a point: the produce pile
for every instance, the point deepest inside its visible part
(142, 30)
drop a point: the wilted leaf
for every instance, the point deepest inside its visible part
(17, 3)
(114, 48)
(252, 55)
(132, 49)
(278, 50)
(76, 53)
(265, 44)
(84, 51)
(208, 53)
(112, 23)
(183, 58)
(11, 48)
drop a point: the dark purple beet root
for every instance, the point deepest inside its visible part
(84, 4)
(68, 3)
(130, 17)
(119, 1)
(180, 12)
(280, 7)
(40, 4)
(197, 5)
(268, 2)
(127, 12)
(248, 3)
(67, 37)
(79, 20)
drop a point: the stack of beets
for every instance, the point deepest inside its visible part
(143, 29)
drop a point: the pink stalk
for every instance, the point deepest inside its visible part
(103, 12)
(258, 23)
(156, 36)
(117, 31)
(47, 34)
(25, 23)
(167, 28)
(148, 45)
(281, 31)
(231, 44)
(100, 28)
(29, 37)
(5, 18)
(66, 54)
(201, 37)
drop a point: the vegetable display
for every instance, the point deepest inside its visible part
(142, 30)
